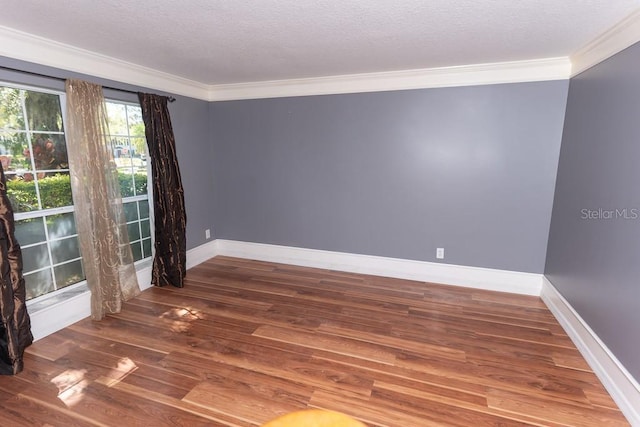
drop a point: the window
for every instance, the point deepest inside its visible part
(128, 139)
(33, 153)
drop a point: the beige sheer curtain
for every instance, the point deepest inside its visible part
(100, 220)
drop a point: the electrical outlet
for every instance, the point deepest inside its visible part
(207, 234)
(439, 253)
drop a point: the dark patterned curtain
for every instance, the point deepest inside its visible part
(170, 260)
(15, 330)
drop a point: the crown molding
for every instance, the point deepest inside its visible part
(27, 47)
(617, 38)
(465, 75)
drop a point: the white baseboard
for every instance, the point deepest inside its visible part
(58, 314)
(201, 253)
(622, 387)
(473, 277)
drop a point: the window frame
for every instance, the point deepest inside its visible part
(42, 214)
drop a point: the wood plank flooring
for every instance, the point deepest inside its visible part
(246, 341)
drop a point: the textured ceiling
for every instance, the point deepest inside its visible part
(233, 41)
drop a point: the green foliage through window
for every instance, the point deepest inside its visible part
(55, 191)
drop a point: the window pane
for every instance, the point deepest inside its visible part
(49, 152)
(121, 151)
(146, 247)
(22, 194)
(12, 151)
(139, 149)
(65, 249)
(38, 283)
(131, 211)
(29, 231)
(137, 251)
(117, 118)
(35, 257)
(68, 274)
(55, 190)
(141, 183)
(144, 208)
(11, 116)
(126, 182)
(61, 225)
(43, 111)
(134, 231)
(136, 124)
(146, 228)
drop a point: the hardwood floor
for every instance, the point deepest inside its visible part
(246, 341)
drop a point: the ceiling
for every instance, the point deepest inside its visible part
(232, 41)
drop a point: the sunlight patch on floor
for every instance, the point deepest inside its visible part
(124, 367)
(179, 319)
(71, 384)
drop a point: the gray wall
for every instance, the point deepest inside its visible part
(595, 263)
(397, 174)
(190, 124)
(190, 120)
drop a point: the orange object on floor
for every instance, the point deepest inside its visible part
(314, 418)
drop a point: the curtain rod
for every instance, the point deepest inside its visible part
(32, 73)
